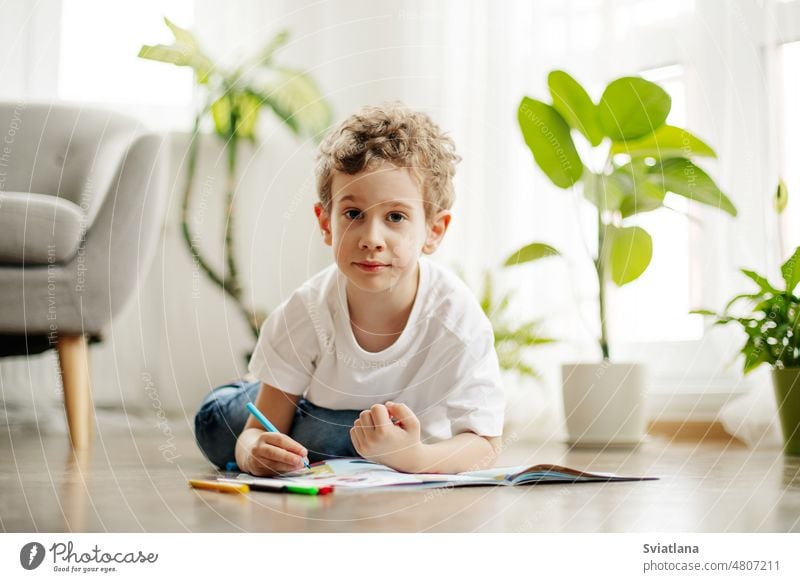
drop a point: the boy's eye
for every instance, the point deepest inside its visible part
(396, 217)
(352, 214)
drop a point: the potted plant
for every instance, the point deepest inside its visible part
(512, 339)
(232, 100)
(644, 159)
(772, 327)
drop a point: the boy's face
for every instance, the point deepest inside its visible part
(377, 226)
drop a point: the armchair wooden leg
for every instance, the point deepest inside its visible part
(73, 354)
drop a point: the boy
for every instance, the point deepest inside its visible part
(384, 354)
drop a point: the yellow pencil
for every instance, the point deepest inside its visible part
(217, 486)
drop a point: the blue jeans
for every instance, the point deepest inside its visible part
(222, 416)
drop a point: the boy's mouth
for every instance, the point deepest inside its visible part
(371, 267)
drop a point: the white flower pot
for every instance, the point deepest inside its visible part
(604, 404)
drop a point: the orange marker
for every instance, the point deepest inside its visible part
(218, 486)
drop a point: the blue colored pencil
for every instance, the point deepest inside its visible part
(268, 425)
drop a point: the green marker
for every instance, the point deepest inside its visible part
(304, 490)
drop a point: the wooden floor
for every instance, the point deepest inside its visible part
(136, 482)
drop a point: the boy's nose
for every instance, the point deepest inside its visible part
(372, 244)
(371, 238)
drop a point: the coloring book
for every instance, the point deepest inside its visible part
(357, 473)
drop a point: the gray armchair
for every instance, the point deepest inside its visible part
(81, 198)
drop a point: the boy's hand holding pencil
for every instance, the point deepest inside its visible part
(276, 453)
(271, 452)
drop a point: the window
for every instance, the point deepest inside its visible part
(656, 306)
(98, 62)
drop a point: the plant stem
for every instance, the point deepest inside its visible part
(191, 167)
(600, 267)
(252, 317)
(601, 280)
(232, 276)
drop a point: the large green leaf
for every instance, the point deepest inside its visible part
(248, 107)
(221, 115)
(667, 141)
(297, 100)
(547, 135)
(182, 35)
(636, 190)
(179, 55)
(184, 52)
(638, 203)
(602, 191)
(791, 271)
(680, 176)
(243, 107)
(632, 107)
(574, 104)
(628, 252)
(531, 252)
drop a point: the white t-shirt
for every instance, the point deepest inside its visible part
(443, 365)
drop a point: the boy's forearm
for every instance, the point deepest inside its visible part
(464, 452)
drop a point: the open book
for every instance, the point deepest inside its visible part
(357, 473)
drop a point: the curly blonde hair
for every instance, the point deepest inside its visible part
(396, 134)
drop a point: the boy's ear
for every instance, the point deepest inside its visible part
(436, 229)
(324, 220)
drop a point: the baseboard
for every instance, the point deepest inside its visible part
(693, 431)
(699, 404)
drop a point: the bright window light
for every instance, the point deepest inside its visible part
(631, 15)
(99, 44)
(656, 306)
